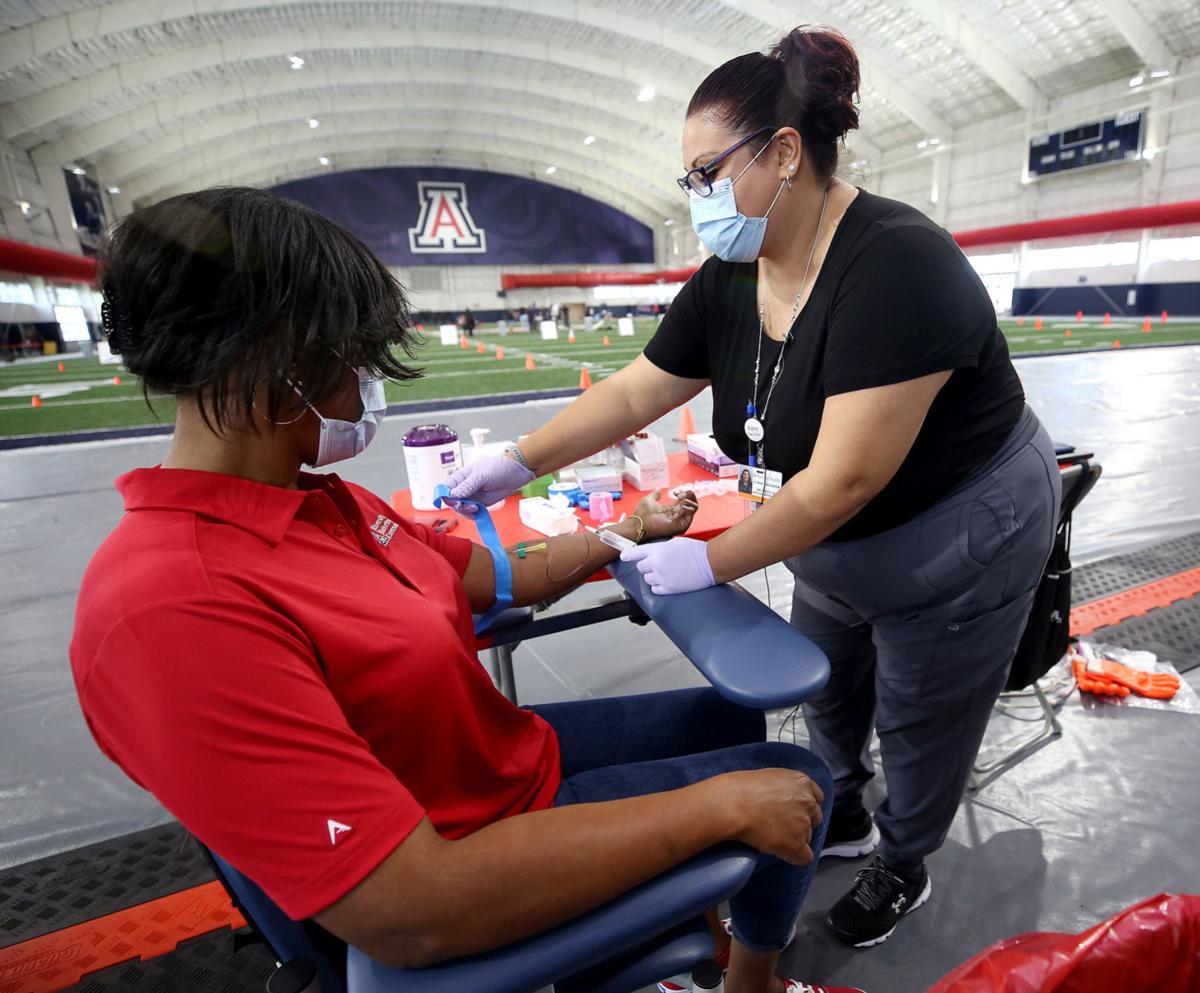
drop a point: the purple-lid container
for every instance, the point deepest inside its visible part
(424, 435)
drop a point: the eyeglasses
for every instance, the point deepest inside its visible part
(699, 180)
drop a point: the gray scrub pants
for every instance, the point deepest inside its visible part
(920, 624)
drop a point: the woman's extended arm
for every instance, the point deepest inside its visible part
(613, 409)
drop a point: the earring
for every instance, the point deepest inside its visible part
(788, 181)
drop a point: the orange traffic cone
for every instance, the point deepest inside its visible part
(1116, 343)
(1020, 322)
(585, 379)
(61, 367)
(1068, 332)
(686, 424)
(570, 337)
(1079, 317)
(116, 380)
(1146, 323)
(1164, 317)
(480, 349)
(529, 361)
(499, 351)
(1037, 324)
(35, 401)
(1107, 318)
(607, 342)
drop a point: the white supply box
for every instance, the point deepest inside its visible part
(704, 452)
(549, 331)
(598, 477)
(645, 462)
(545, 518)
(625, 327)
(449, 333)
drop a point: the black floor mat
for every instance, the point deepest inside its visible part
(1123, 572)
(57, 892)
(221, 962)
(1172, 633)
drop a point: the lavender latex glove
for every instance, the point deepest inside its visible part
(489, 479)
(676, 566)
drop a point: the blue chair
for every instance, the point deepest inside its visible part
(750, 655)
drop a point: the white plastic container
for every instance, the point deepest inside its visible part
(480, 448)
(432, 455)
(545, 518)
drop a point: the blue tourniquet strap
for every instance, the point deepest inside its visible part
(487, 531)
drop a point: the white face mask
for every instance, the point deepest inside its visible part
(342, 440)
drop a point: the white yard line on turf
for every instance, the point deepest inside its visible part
(550, 359)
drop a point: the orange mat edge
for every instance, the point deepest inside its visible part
(54, 961)
(1110, 610)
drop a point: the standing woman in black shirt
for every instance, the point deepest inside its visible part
(852, 350)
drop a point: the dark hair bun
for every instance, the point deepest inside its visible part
(823, 76)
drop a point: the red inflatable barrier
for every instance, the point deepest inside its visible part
(1152, 947)
(30, 260)
(1157, 216)
(539, 280)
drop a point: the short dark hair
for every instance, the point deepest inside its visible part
(809, 81)
(209, 294)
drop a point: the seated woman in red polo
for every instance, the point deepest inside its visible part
(289, 667)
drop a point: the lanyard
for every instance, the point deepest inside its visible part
(755, 428)
(487, 531)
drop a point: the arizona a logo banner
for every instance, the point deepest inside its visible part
(445, 224)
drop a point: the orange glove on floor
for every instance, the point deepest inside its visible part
(1153, 685)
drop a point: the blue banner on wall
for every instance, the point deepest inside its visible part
(433, 216)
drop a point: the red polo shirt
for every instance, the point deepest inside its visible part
(292, 674)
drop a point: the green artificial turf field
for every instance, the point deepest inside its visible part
(84, 397)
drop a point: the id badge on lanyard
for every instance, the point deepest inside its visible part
(757, 484)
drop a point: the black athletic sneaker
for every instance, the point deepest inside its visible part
(851, 837)
(869, 913)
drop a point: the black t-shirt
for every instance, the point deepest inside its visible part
(895, 300)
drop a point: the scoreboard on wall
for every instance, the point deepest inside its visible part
(1114, 139)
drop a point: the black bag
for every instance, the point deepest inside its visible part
(1048, 630)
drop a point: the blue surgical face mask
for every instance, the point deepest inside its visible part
(727, 232)
(345, 439)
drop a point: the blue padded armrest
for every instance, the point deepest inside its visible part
(749, 653)
(508, 618)
(670, 899)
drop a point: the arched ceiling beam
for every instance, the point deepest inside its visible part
(325, 89)
(42, 109)
(474, 132)
(1142, 36)
(92, 24)
(558, 129)
(960, 32)
(307, 150)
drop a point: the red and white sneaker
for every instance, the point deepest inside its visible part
(683, 982)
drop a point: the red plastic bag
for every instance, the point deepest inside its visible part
(1152, 947)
